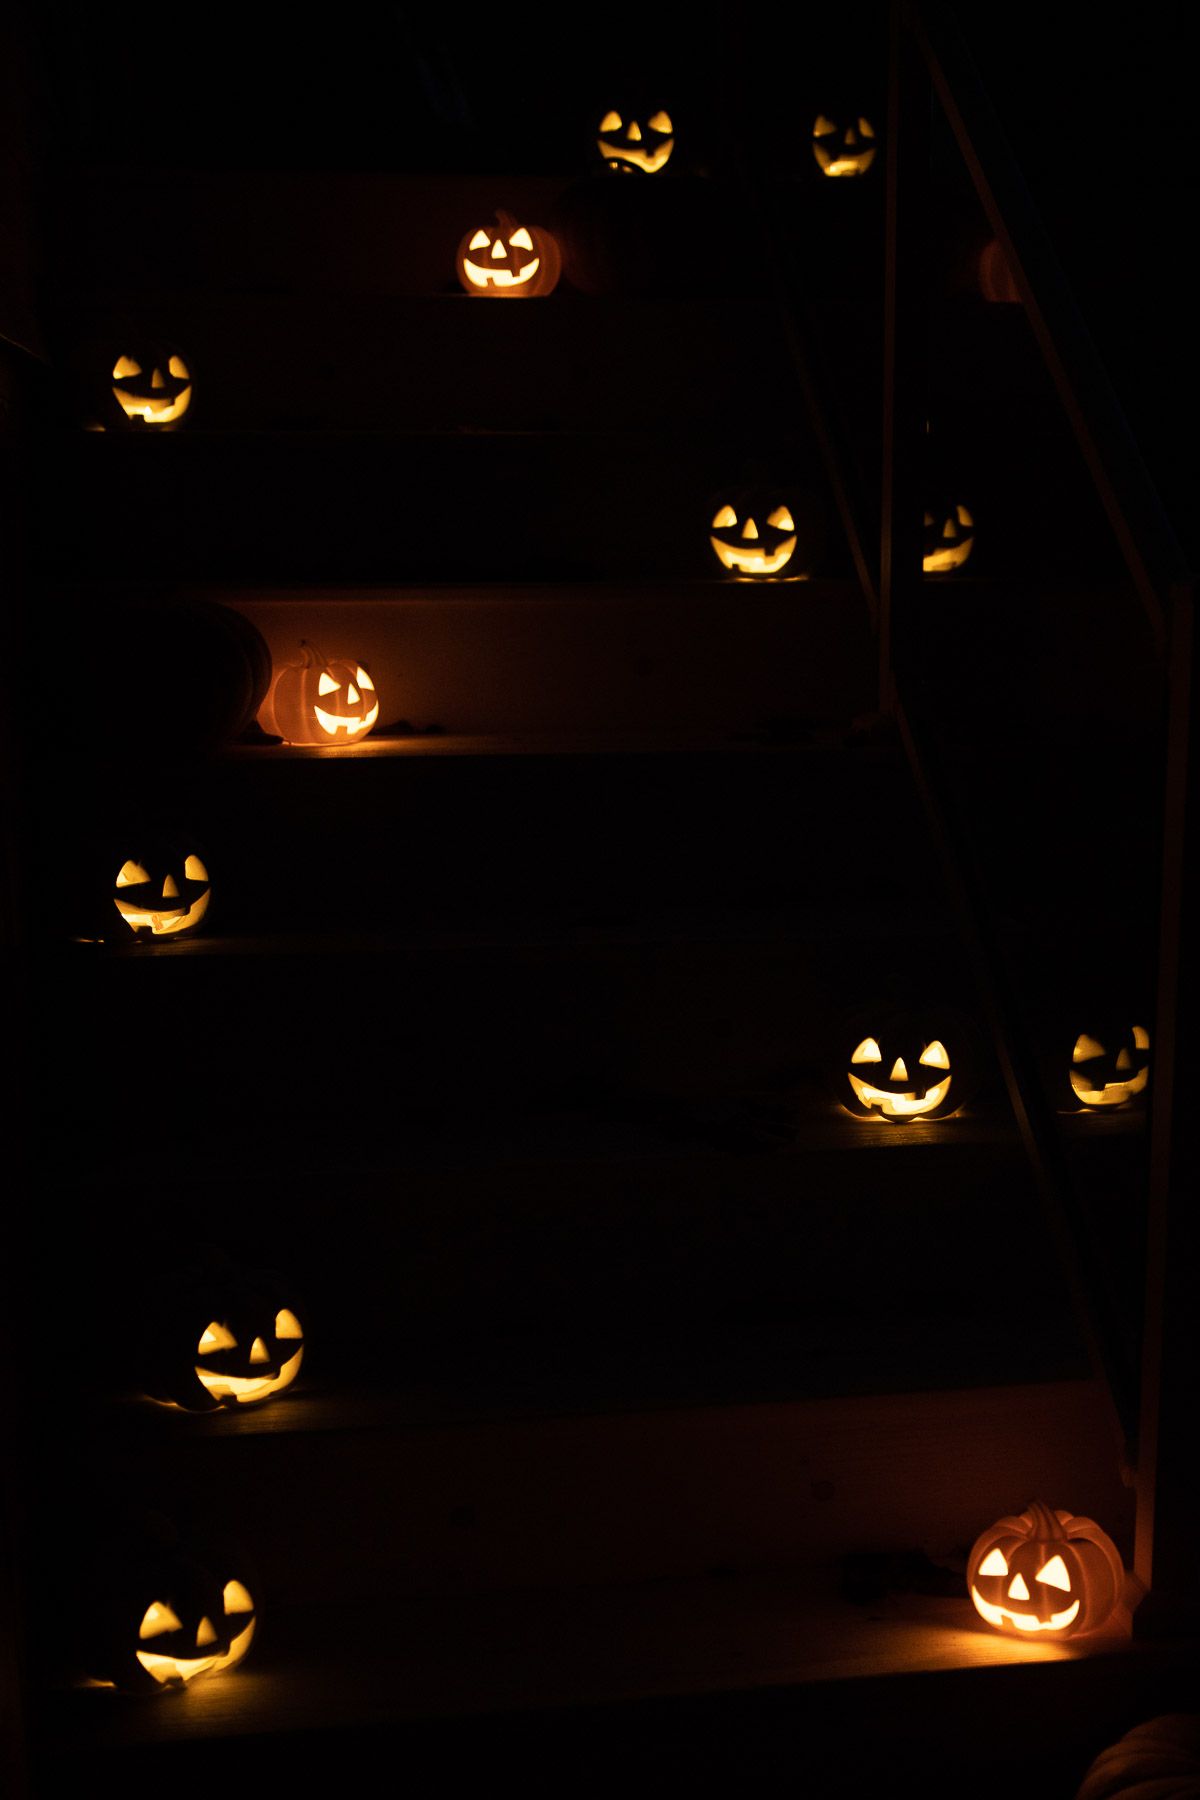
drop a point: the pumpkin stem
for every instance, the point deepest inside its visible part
(1044, 1523)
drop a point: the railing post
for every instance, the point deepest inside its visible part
(905, 337)
(1168, 1488)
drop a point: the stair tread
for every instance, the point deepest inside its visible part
(552, 1649)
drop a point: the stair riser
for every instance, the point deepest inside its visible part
(641, 1497)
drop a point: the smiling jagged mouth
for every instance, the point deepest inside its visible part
(155, 412)
(166, 921)
(1110, 1093)
(996, 1615)
(908, 1105)
(245, 1389)
(650, 161)
(332, 723)
(754, 562)
(501, 278)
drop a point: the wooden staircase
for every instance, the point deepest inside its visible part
(512, 1039)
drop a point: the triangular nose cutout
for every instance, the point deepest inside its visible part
(352, 694)
(205, 1633)
(633, 134)
(170, 891)
(1017, 1588)
(750, 530)
(851, 136)
(899, 1072)
(259, 1352)
(1124, 1060)
(156, 380)
(497, 249)
(949, 529)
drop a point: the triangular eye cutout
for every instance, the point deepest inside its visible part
(868, 1051)
(1141, 1037)
(158, 1618)
(823, 126)
(1017, 1588)
(1055, 1574)
(131, 873)
(866, 127)
(965, 518)
(287, 1325)
(934, 1055)
(237, 1598)
(781, 519)
(326, 684)
(178, 368)
(611, 122)
(194, 869)
(725, 519)
(660, 121)
(479, 241)
(216, 1337)
(521, 239)
(1086, 1047)
(993, 1564)
(125, 367)
(364, 680)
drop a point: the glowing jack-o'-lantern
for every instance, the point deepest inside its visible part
(320, 700)
(759, 542)
(843, 150)
(1043, 1571)
(632, 146)
(158, 1610)
(173, 1650)
(162, 892)
(246, 1371)
(211, 1333)
(508, 261)
(1110, 1067)
(948, 541)
(906, 1063)
(152, 385)
(889, 1088)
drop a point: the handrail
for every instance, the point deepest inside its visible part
(1135, 511)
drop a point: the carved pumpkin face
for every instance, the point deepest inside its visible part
(900, 1076)
(184, 1634)
(632, 146)
(162, 892)
(1111, 1068)
(152, 386)
(843, 148)
(753, 537)
(319, 700)
(1044, 1571)
(949, 539)
(240, 1362)
(508, 261)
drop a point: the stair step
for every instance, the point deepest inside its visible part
(465, 506)
(751, 1681)
(713, 365)
(571, 1501)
